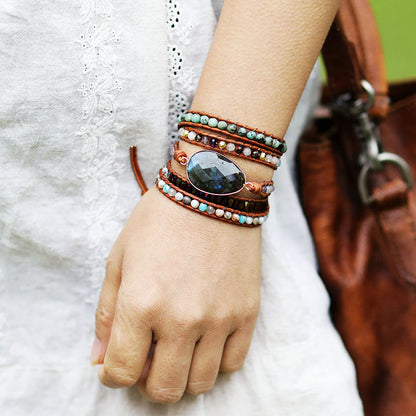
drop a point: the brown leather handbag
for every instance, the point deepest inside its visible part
(356, 164)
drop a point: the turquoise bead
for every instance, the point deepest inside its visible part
(222, 125)
(241, 131)
(242, 219)
(188, 117)
(203, 207)
(166, 189)
(196, 118)
(213, 122)
(182, 117)
(260, 137)
(204, 119)
(251, 135)
(232, 128)
(268, 140)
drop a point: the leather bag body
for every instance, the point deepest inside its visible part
(357, 195)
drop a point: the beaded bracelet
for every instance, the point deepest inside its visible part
(215, 184)
(247, 151)
(247, 219)
(242, 204)
(235, 130)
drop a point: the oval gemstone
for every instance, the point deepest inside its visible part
(214, 173)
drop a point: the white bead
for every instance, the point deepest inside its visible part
(230, 147)
(172, 192)
(181, 130)
(275, 160)
(261, 220)
(165, 170)
(235, 217)
(179, 196)
(219, 212)
(194, 203)
(246, 151)
(161, 184)
(249, 220)
(269, 158)
(270, 189)
(192, 135)
(227, 215)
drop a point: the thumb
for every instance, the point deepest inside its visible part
(104, 314)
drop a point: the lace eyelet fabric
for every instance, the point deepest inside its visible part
(100, 46)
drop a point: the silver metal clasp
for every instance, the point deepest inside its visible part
(372, 156)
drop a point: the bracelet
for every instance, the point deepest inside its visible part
(234, 147)
(213, 173)
(242, 204)
(201, 206)
(235, 130)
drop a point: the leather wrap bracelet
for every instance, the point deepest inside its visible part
(245, 150)
(235, 130)
(233, 202)
(215, 174)
(196, 204)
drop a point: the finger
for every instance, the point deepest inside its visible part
(236, 348)
(128, 347)
(205, 364)
(104, 314)
(169, 370)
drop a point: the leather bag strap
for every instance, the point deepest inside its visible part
(352, 52)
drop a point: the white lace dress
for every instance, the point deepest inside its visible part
(81, 81)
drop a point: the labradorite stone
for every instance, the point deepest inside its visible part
(213, 173)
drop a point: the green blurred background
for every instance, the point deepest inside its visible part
(397, 25)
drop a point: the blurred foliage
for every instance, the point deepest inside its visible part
(397, 25)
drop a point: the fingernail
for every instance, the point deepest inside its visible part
(96, 352)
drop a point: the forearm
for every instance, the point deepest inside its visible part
(259, 61)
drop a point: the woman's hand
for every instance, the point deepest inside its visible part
(187, 283)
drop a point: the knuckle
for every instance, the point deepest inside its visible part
(186, 323)
(165, 394)
(120, 376)
(231, 366)
(103, 315)
(251, 306)
(223, 320)
(111, 264)
(199, 387)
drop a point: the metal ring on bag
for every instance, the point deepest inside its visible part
(382, 158)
